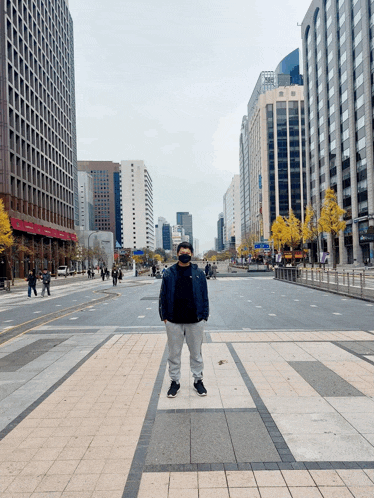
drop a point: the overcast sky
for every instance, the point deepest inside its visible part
(168, 81)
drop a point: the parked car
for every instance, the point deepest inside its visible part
(63, 270)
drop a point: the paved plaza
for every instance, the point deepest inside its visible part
(289, 411)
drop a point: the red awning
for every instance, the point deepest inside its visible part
(29, 227)
(73, 237)
(48, 232)
(17, 224)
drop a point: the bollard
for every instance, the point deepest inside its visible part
(348, 282)
(353, 278)
(312, 277)
(343, 277)
(328, 279)
(337, 281)
(361, 284)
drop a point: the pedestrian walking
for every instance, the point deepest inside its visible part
(31, 280)
(88, 273)
(46, 280)
(120, 275)
(107, 274)
(206, 269)
(103, 274)
(114, 275)
(184, 308)
(154, 270)
(214, 271)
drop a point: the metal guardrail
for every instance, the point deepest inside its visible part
(348, 283)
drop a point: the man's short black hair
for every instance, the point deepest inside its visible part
(185, 245)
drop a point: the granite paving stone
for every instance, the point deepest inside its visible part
(326, 382)
(250, 438)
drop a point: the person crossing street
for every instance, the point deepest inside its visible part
(46, 280)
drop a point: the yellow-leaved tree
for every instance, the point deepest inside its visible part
(292, 232)
(278, 233)
(331, 219)
(6, 234)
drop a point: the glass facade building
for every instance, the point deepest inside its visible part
(167, 241)
(272, 149)
(107, 195)
(338, 37)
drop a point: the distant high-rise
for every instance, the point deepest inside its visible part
(220, 233)
(158, 232)
(38, 156)
(185, 220)
(107, 195)
(137, 206)
(231, 213)
(86, 201)
(167, 240)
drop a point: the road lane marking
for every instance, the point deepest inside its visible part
(313, 306)
(74, 318)
(249, 301)
(272, 314)
(258, 306)
(7, 321)
(148, 308)
(37, 311)
(336, 313)
(141, 316)
(296, 299)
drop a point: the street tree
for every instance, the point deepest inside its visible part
(13, 253)
(6, 233)
(278, 233)
(310, 227)
(292, 233)
(331, 219)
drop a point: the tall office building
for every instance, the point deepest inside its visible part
(220, 233)
(85, 201)
(338, 50)
(107, 196)
(167, 237)
(244, 178)
(158, 232)
(185, 220)
(231, 213)
(38, 170)
(137, 206)
(272, 176)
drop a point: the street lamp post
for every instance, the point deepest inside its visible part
(88, 246)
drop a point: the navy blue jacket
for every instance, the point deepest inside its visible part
(199, 288)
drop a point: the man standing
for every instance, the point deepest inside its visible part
(46, 279)
(114, 275)
(183, 307)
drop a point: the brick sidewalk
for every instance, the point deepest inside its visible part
(287, 415)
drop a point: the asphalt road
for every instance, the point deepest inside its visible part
(253, 303)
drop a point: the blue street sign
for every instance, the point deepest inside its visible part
(138, 253)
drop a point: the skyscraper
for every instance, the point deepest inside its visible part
(137, 206)
(338, 50)
(220, 233)
(38, 164)
(272, 173)
(185, 220)
(107, 195)
(231, 213)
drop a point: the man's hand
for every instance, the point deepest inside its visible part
(165, 321)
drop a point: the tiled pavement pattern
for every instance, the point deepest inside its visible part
(288, 415)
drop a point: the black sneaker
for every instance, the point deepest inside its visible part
(173, 389)
(199, 388)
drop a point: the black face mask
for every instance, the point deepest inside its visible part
(184, 258)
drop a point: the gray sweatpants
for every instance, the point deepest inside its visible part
(194, 338)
